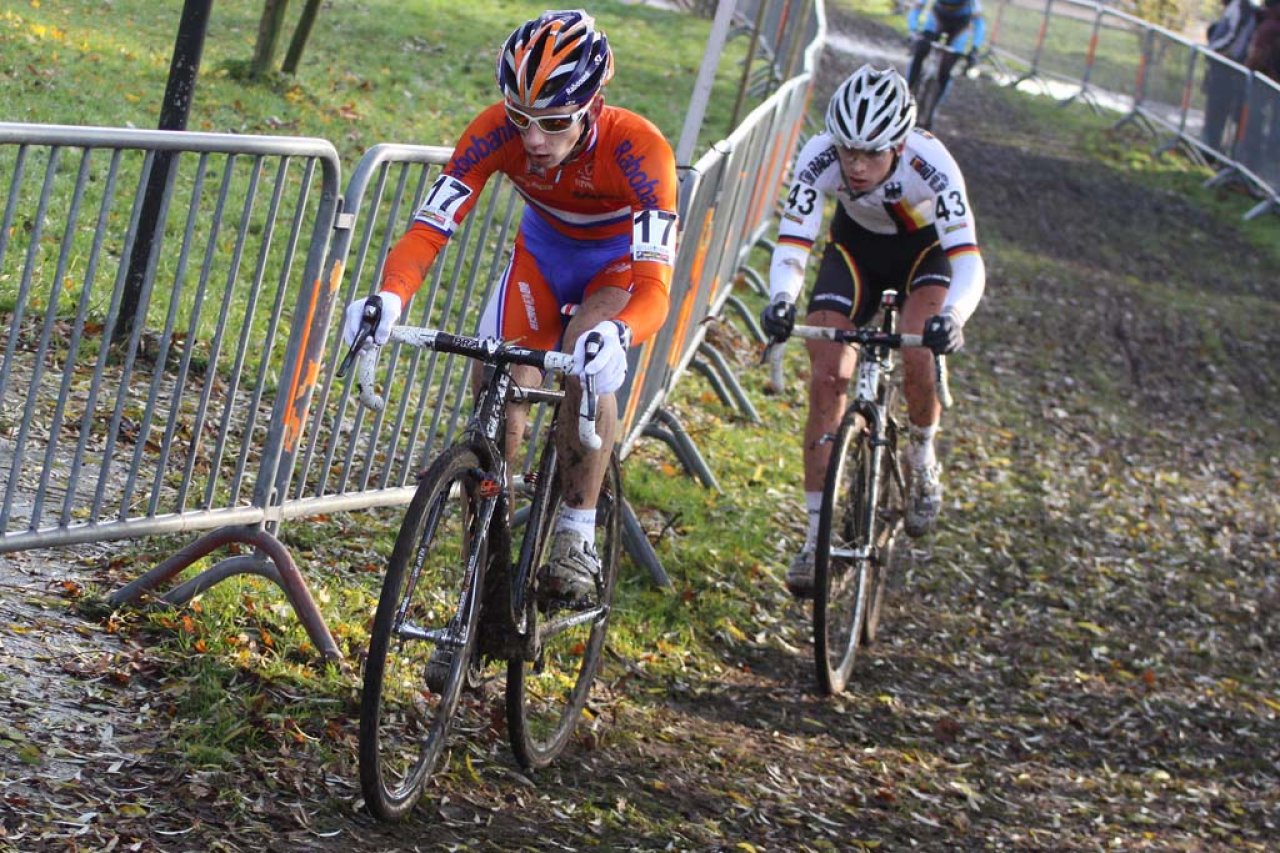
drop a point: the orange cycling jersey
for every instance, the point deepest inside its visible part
(617, 195)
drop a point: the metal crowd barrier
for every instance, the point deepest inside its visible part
(183, 413)
(200, 398)
(1184, 94)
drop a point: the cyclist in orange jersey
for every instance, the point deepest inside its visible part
(599, 232)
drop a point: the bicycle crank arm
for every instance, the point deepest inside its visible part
(571, 620)
(851, 553)
(440, 636)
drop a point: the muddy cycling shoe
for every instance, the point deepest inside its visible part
(800, 574)
(568, 580)
(924, 499)
(438, 669)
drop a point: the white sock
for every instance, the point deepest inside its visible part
(812, 503)
(580, 521)
(920, 452)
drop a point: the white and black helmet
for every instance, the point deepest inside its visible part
(873, 110)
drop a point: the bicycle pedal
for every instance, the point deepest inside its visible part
(438, 666)
(550, 603)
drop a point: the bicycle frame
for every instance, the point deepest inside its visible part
(485, 428)
(860, 518)
(487, 609)
(876, 365)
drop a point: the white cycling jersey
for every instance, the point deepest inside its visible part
(925, 189)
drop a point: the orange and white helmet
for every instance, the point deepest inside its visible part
(558, 59)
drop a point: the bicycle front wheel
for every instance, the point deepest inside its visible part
(423, 637)
(842, 575)
(927, 94)
(548, 690)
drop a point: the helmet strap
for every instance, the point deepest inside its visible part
(588, 122)
(897, 156)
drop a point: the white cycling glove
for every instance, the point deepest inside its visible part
(355, 312)
(609, 366)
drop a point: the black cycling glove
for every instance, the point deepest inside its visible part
(943, 334)
(778, 319)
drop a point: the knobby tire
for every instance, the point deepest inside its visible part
(841, 585)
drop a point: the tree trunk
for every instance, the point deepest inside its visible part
(300, 36)
(184, 67)
(269, 27)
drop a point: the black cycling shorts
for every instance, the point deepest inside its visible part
(858, 266)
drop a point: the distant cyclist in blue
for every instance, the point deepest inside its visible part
(962, 23)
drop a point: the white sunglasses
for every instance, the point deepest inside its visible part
(547, 124)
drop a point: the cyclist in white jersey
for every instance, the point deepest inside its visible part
(902, 221)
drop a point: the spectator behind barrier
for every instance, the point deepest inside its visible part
(1264, 48)
(1261, 147)
(1229, 36)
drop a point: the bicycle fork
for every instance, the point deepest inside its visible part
(870, 373)
(877, 442)
(452, 635)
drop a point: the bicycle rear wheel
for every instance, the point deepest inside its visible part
(423, 637)
(547, 692)
(841, 582)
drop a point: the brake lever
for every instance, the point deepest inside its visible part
(369, 319)
(588, 406)
(942, 384)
